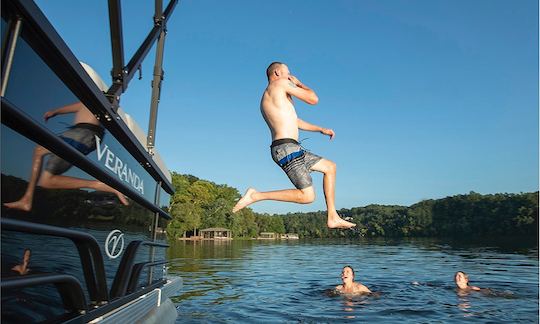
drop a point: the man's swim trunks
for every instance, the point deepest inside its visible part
(294, 160)
(81, 136)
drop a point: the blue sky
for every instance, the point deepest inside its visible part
(427, 98)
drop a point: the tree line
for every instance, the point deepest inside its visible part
(199, 204)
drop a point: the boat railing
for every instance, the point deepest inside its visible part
(137, 270)
(123, 289)
(68, 287)
(124, 273)
(87, 246)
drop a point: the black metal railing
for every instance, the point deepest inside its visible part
(136, 273)
(89, 253)
(125, 270)
(124, 286)
(68, 287)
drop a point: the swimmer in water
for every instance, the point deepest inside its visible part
(349, 286)
(462, 282)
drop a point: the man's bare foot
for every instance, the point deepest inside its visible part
(245, 201)
(337, 222)
(21, 204)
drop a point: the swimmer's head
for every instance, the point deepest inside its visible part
(347, 274)
(461, 279)
(276, 70)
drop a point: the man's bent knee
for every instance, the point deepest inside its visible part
(46, 179)
(325, 166)
(307, 195)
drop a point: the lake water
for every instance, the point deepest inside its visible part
(289, 281)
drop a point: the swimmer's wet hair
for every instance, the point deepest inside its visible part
(348, 266)
(464, 274)
(271, 68)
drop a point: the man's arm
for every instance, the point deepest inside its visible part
(72, 108)
(294, 87)
(313, 128)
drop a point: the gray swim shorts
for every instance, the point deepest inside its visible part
(294, 160)
(80, 136)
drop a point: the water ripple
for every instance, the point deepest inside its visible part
(246, 281)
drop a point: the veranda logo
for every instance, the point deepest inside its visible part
(111, 244)
(119, 167)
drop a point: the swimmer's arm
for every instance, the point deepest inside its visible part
(72, 108)
(475, 288)
(314, 128)
(294, 87)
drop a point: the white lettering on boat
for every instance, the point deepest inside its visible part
(116, 165)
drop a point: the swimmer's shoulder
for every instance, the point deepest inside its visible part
(361, 288)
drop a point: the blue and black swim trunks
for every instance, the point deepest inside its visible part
(294, 160)
(81, 136)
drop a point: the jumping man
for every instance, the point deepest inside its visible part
(279, 113)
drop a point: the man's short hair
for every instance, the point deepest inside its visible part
(271, 68)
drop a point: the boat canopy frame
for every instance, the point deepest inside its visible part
(53, 50)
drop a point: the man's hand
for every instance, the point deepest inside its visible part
(329, 132)
(49, 114)
(294, 80)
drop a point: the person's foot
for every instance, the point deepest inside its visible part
(245, 201)
(334, 221)
(21, 204)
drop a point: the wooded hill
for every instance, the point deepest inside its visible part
(199, 204)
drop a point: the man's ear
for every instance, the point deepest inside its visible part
(276, 72)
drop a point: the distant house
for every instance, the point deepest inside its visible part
(216, 233)
(289, 236)
(268, 236)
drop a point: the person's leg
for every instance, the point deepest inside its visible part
(301, 196)
(53, 181)
(25, 203)
(328, 168)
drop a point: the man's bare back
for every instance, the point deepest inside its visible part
(82, 114)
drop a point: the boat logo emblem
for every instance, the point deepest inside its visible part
(112, 246)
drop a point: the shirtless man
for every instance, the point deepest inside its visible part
(82, 137)
(349, 286)
(462, 282)
(279, 113)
